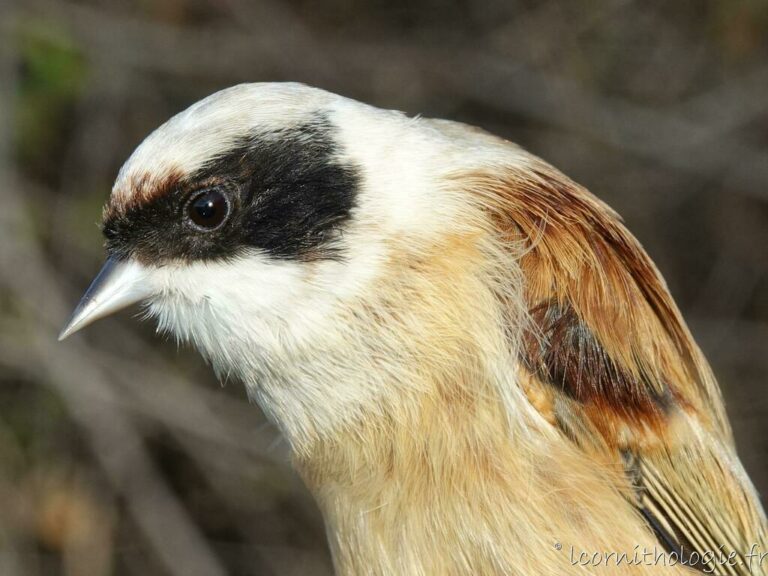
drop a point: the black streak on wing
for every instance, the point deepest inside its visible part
(289, 192)
(564, 353)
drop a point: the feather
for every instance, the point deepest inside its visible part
(625, 380)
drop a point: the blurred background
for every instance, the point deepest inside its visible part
(121, 454)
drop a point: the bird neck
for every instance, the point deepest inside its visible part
(404, 407)
(438, 327)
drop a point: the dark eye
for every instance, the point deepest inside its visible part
(208, 209)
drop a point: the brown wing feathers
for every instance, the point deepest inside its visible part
(607, 358)
(604, 331)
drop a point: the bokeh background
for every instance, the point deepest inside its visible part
(121, 454)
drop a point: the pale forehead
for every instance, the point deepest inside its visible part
(212, 126)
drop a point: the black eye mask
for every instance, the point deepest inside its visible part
(285, 193)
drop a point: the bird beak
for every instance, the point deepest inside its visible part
(119, 284)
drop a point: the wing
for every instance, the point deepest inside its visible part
(608, 360)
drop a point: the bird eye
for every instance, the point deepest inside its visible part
(208, 209)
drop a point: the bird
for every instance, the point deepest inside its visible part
(476, 366)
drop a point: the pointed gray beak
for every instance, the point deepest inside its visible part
(118, 285)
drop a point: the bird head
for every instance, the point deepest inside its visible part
(273, 225)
